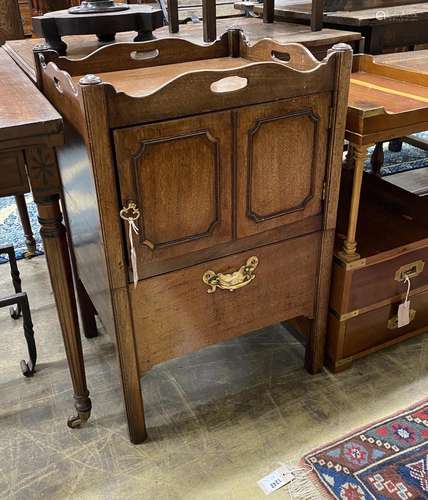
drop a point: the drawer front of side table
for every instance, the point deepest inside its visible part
(185, 310)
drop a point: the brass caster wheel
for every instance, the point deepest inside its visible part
(29, 254)
(76, 421)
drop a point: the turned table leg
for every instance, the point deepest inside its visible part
(26, 226)
(349, 252)
(57, 255)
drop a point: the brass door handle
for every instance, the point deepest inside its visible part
(231, 281)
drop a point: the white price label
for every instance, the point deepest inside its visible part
(275, 480)
(404, 314)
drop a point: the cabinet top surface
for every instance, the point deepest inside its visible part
(255, 29)
(143, 81)
(24, 111)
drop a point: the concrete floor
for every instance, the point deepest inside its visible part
(218, 420)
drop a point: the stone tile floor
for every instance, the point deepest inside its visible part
(218, 420)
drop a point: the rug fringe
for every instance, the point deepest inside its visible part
(302, 487)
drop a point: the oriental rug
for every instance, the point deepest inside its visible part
(384, 461)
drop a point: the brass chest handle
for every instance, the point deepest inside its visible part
(231, 281)
(410, 270)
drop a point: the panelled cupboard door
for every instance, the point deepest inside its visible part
(178, 173)
(281, 159)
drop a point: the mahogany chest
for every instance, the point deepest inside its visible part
(201, 187)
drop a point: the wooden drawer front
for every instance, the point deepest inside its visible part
(370, 330)
(281, 158)
(13, 177)
(179, 175)
(174, 314)
(378, 282)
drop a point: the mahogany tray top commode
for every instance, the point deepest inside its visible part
(201, 186)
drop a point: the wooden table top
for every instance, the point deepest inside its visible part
(255, 29)
(302, 11)
(388, 94)
(24, 111)
(414, 61)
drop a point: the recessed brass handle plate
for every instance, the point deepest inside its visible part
(393, 322)
(231, 281)
(410, 270)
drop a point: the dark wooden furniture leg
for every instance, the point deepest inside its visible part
(268, 11)
(172, 16)
(317, 15)
(209, 20)
(15, 312)
(26, 225)
(377, 158)
(55, 243)
(395, 145)
(46, 186)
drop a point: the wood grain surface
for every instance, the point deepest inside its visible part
(24, 111)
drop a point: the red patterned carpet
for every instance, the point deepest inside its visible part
(384, 461)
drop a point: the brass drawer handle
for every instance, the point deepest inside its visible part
(410, 270)
(232, 281)
(393, 322)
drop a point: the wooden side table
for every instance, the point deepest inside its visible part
(215, 257)
(382, 229)
(30, 129)
(382, 27)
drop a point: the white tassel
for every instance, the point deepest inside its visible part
(133, 229)
(302, 486)
(130, 213)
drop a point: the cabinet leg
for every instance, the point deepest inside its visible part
(87, 311)
(349, 252)
(129, 370)
(26, 225)
(339, 366)
(57, 255)
(315, 347)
